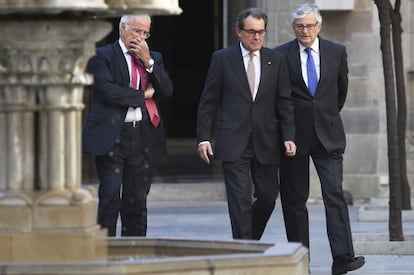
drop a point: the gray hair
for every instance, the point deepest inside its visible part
(129, 18)
(302, 10)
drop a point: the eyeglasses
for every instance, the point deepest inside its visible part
(252, 33)
(309, 27)
(141, 32)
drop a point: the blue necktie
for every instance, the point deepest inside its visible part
(311, 70)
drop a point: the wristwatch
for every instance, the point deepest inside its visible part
(150, 63)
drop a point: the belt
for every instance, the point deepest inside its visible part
(132, 124)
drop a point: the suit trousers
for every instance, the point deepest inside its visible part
(125, 175)
(294, 192)
(252, 188)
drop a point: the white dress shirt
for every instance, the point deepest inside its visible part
(133, 114)
(256, 61)
(316, 59)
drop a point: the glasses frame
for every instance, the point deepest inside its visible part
(252, 33)
(309, 27)
(140, 32)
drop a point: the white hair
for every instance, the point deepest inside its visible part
(302, 10)
(129, 18)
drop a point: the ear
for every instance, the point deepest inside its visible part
(238, 32)
(124, 26)
(319, 26)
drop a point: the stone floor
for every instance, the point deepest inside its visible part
(208, 219)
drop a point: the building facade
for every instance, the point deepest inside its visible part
(188, 40)
(355, 24)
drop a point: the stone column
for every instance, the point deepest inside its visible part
(45, 214)
(42, 75)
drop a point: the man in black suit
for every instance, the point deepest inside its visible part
(319, 134)
(253, 121)
(123, 128)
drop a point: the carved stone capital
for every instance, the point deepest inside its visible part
(102, 8)
(42, 76)
(50, 6)
(147, 6)
(40, 53)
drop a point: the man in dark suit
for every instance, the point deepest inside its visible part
(123, 128)
(254, 117)
(319, 134)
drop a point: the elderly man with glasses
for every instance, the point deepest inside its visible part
(124, 129)
(319, 78)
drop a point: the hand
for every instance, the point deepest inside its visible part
(149, 91)
(140, 48)
(205, 151)
(290, 147)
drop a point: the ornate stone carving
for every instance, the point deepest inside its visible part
(42, 86)
(50, 6)
(148, 6)
(44, 50)
(98, 7)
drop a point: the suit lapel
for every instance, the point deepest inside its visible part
(121, 62)
(236, 60)
(265, 63)
(297, 64)
(324, 60)
(293, 56)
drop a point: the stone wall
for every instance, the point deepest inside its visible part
(365, 159)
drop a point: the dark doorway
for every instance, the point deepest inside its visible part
(186, 42)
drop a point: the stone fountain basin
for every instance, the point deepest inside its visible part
(180, 257)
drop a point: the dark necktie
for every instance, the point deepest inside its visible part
(311, 70)
(137, 66)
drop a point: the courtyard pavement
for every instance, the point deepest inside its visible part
(208, 219)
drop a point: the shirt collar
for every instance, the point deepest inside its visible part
(245, 52)
(123, 47)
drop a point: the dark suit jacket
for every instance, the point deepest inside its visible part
(320, 112)
(269, 116)
(113, 96)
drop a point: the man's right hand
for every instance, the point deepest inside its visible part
(205, 151)
(149, 91)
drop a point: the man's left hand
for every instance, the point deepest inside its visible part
(290, 147)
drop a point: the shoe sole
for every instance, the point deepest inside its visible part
(355, 265)
(350, 267)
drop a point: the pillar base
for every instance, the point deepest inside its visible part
(90, 245)
(51, 226)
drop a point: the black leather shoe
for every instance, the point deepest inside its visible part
(343, 264)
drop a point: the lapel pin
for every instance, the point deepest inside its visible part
(269, 62)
